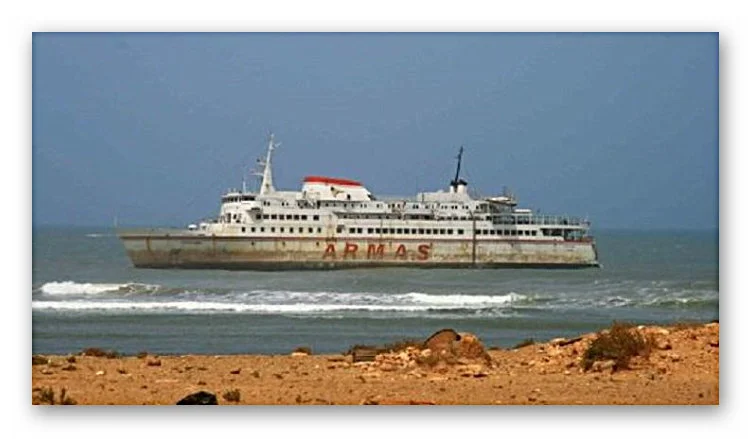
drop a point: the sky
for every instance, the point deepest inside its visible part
(151, 129)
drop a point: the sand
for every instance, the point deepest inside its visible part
(683, 368)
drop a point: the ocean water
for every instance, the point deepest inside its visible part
(85, 293)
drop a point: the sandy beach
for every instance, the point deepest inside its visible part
(682, 367)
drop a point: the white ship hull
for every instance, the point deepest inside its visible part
(184, 250)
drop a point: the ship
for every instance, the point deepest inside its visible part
(337, 223)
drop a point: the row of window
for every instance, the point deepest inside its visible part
(274, 216)
(399, 231)
(282, 229)
(395, 231)
(419, 231)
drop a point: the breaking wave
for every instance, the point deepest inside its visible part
(70, 288)
(133, 297)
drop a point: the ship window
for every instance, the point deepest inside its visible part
(378, 230)
(265, 216)
(427, 231)
(263, 229)
(315, 217)
(392, 231)
(414, 231)
(304, 217)
(450, 231)
(243, 229)
(421, 231)
(281, 229)
(399, 231)
(300, 230)
(319, 230)
(442, 231)
(460, 231)
(534, 232)
(351, 230)
(477, 232)
(273, 229)
(258, 216)
(273, 216)
(252, 230)
(359, 230)
(297, 217)
(370, 230)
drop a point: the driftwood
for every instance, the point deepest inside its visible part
(364, 354)
(569, 341)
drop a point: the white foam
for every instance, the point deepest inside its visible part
(195, 306)
(464, 299)
(70, 288)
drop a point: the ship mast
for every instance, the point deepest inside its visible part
(455, 181)
(267, 184)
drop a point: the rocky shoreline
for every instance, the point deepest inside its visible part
(680, 367)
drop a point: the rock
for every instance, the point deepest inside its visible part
(100, 372)
(69, 368)
(557, 341)
(603, 366)
(199, 398)
(299, 354)
(235, 371)
(664, 345)
(154, 363)
(387, 367)
(662, 368)
(442, 340)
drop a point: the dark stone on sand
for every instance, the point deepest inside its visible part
(199, 398)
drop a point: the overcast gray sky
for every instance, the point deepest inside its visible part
(152, 128)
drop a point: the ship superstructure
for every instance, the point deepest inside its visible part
(339, 223)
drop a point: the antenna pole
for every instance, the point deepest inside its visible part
(458, 166)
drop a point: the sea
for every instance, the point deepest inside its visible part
(86, 293)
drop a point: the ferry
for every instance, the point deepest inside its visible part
(337, 223)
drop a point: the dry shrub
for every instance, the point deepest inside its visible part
(46, 395)
(620, 344)
(142, 355)
(38, 360)
(232, 395)
(97, 352)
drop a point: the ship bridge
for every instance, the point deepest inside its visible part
(334, 189)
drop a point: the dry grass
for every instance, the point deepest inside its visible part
(620, 343)
(232, 395)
